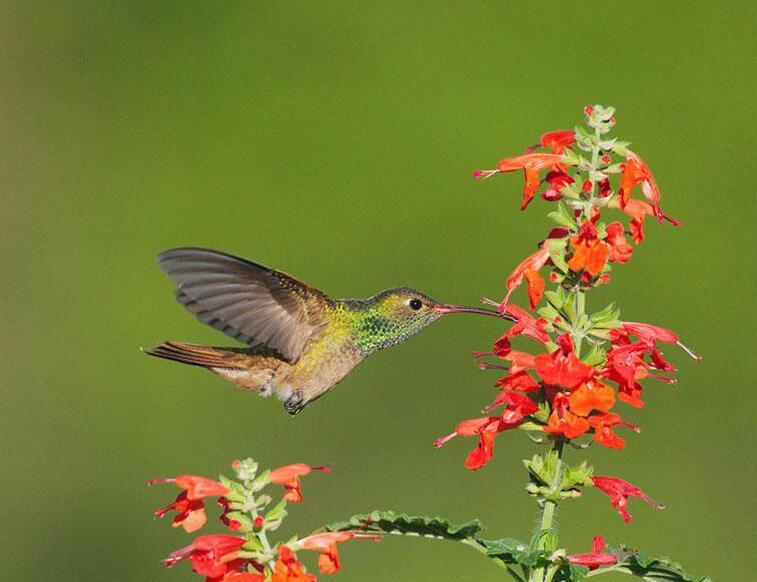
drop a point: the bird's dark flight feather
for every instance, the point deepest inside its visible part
(254, 304)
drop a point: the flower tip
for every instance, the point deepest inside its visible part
(442, 440)
(696, 357)
(484, 174)
(159, 480)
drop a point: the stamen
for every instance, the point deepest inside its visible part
(689, 351)
(442, 440)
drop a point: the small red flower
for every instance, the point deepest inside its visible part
(586, 186)
(326, 542)
(486, 428)
(289, 569)
(562, 367)
(213, 556)
(526, 325)
(589, 252)
(558, 140)
(535, 284)
(289, 477)
(557, 180)
(517, 406)
(638, 210)
(521, 381)
(620, 250)
(635, 171)
(532, 262)
(189, 505)
(590, 396)
(603, 433)
(619, 491)
(597, 558)
(531, 164)
(563, 421)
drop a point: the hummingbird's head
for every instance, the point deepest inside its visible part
(396, 314)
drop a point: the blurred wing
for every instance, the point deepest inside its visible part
(251, 303)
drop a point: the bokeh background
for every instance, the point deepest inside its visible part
(335, 140)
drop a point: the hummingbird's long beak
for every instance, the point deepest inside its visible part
(444, 308)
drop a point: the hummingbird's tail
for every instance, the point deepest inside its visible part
(241, 366)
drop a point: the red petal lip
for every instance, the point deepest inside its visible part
(444, 308)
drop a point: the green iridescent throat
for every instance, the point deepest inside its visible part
(374, 330)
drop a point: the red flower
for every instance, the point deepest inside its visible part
(626, 365)
(189, 505)
(598, 556)
(532, 262)
(638, 210)
(635, 171)
(517, 406)
(620, 250)
(619, 491)
(531, 164)
(590, 396)
(526, 325)
(326, 542)
(289, 569)
(486, 428)
(289, 477)
(603, 433)
(213, 556)
(563, 421)
(535, 287)
(653, 333)
(521, 381)
(589, 252)
(557, 180)
(562, 367)
(558, 140)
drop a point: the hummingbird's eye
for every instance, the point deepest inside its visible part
(415, 304)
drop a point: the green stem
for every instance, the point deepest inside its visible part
(545, 537)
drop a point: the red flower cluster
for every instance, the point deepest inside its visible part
(248, 557)
(556, 390)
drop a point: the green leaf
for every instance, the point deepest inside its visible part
(634, 562)
(563, 216)
(403, 524)
(512, 551)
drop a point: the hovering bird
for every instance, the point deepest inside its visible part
(301, 342)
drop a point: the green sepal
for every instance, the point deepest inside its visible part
(261, 481)
(555, 298)
(548, 312)
(278, 511)
(247, 469)
(621, 148)
(609, 313)
(236, 493)
(563, 217)
(595, 356)
(570, 158)
(253, 544)
(553, 479)
(391, 522)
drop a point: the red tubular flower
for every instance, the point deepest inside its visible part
(597, 558)
(289, 477)
(326, 542)
(589, 252)
(620, 250)
(638, 210)
(521, 381)
(526, 325)
(289, 569)
(590, 396)
(213, 556)
(563, 421)
(533, 262)
(556, 180)
(653, 333)
(531, 164)
(562, 367)
(517, 406)
(486, 428)
(189, 505)
(558, 140)
(535, 287)
(619, 491)
(603, 433)
(635, 171)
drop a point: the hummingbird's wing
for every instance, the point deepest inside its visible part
(251, 303)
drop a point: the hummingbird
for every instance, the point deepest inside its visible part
(300, 342)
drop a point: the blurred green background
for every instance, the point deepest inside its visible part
(335, 140)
